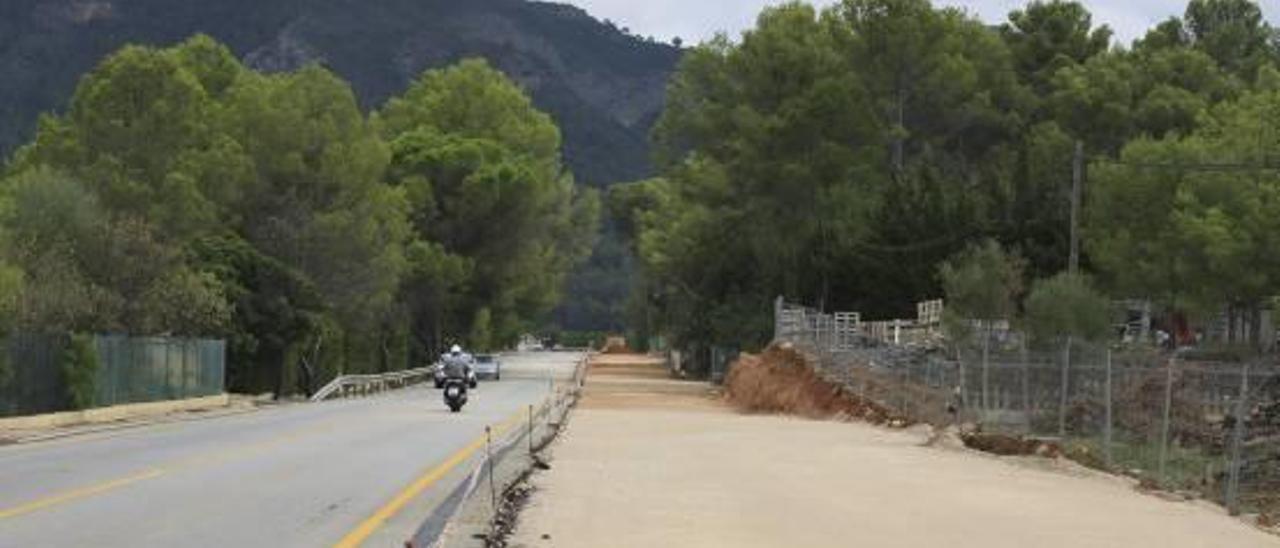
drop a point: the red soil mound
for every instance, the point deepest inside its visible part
(780, 380)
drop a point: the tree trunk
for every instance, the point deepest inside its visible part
(275, 356)
(899, 142)
(1256, 340)
(386, 353)
(309, 365)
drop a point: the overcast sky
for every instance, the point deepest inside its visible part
(697, 20)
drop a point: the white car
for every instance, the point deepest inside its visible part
(487, 366)
(437, 374)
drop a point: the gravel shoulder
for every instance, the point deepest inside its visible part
(649, 462)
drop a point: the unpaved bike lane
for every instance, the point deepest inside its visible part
(647, 461)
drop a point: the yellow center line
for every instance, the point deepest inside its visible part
(362, 532)
(77, 494)
(369, 526)
(190, 462)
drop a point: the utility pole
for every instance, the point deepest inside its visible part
(1077, 176)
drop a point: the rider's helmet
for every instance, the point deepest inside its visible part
(455, 350)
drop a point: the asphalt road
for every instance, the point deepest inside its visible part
(366, 470)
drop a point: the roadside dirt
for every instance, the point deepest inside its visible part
(648, 463)
(237, 405)
(780, 381)
(633, 381)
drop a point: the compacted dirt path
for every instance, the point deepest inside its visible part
(649, 461)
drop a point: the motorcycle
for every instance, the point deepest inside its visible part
(455, 394)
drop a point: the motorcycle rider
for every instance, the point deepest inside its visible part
(456, 365)
(457, 375)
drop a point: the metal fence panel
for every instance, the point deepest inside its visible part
(137, 370)
(131, 370)
(30, 376)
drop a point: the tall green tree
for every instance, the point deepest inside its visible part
(1232, 32)
(1094, 101)
(87, 271)
(775, 159)
(274, 308)
(202, 198)
(316, 200)
(948, 93)
(1118, 96)
(184, 194)
(1164, 227)
(501, 221)
(1045, 37)
(142, 134)
(939, 79)
(836, 158)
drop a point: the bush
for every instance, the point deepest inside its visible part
(580, 339)
(79, 371)
(1067, 305)
(981, 283)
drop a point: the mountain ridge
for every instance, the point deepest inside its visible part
(605, 88)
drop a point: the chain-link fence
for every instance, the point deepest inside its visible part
(130, 370)
(1203, 428)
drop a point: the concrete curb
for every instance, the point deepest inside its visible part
(114, 413)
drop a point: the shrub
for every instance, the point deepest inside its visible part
(79, 371)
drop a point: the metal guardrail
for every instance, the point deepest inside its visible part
(363, 385)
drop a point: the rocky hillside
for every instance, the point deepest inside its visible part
(604, 87)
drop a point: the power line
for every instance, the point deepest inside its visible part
(1197, 166)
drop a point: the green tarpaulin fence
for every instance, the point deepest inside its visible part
(131, 370)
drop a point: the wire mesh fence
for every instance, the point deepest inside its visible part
(1203, 428)
(130, 370)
